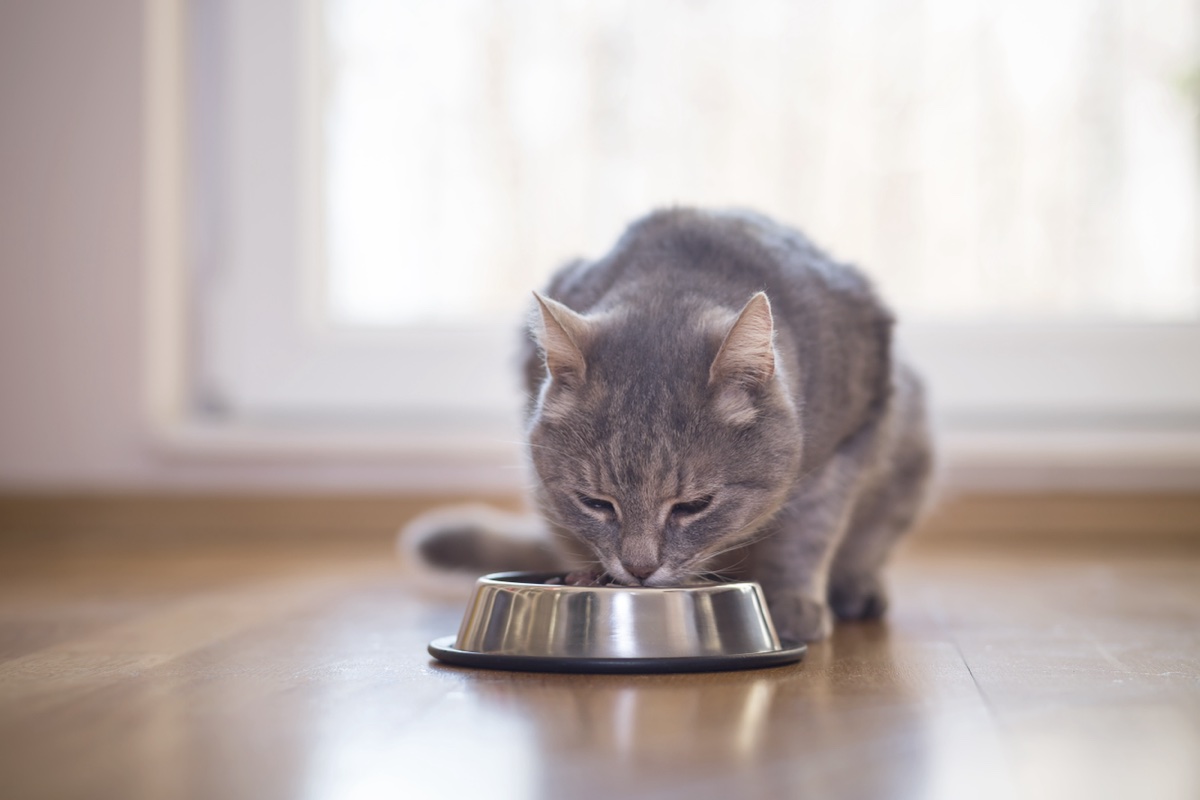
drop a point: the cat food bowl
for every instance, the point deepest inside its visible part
(517, 621)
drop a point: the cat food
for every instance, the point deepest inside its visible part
(581, 577)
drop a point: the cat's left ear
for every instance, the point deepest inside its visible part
(747, 356)
(560, 334)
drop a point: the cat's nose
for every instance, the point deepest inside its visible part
(639, 570)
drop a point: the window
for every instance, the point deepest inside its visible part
(982, 160)
(379, 185)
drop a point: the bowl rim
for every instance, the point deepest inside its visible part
(519, 578)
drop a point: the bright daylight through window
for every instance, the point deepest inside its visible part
(381, 184)
(981, 160)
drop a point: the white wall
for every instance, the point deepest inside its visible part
(70, 241)
(73, 406)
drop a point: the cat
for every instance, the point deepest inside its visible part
(715, 393)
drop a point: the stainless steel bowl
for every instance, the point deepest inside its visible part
(516, 621)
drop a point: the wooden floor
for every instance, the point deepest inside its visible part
(262, 676)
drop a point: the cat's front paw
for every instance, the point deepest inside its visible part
(855, 597)
(799, 618)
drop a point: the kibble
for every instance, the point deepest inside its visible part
(582, 577)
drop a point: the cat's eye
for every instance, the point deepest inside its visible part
(691, 507)
(596, 504)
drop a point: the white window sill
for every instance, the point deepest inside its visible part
(492, 459)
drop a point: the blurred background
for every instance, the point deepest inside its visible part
(286, 247)
(263, 268)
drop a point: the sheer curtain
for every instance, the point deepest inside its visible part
(982, 160)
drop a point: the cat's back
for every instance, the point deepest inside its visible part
(721, 256)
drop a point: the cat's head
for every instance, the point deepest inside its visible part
(662, 438)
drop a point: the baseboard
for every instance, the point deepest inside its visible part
(155, 523)
(1084, 518)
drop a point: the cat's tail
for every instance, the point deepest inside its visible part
(444, 550)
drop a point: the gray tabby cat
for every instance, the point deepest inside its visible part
(715, 392)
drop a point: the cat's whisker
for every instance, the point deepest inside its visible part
(736, 544)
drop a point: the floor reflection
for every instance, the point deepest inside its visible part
(642, 719)
(763, 733)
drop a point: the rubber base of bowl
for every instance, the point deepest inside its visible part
(443, 649)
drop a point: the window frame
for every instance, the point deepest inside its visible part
(1011, 399)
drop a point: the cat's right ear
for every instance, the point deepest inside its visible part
(745, 362)
(747, 356)
(559, 334)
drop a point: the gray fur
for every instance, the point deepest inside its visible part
(813, 466)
